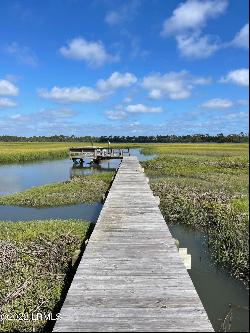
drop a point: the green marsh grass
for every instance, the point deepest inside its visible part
(79, 189)
(21, 152)
(35, 259)
(24, 152)
(206, 186)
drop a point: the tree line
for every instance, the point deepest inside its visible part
(195, 138)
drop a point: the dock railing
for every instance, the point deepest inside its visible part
(97, 153)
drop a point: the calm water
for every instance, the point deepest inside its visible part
(18, 177)
(83, 211)
(215, 287)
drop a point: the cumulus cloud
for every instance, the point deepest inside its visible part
(192, 15)
(141, 108)
(23, 54)
(116, 115)
(186, 25)
(116, 80)
(242, 38)
(217, 103)
(223, 104)
(88, 94)
(239, 77)
(7, 88)
(196, 46)
(71, 94)
(7, 103)
(173, 85)
(123, 112)
(93, 53)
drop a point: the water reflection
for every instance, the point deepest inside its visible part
(90, 169)
(216, 288)
(18, 177)
(82, 211)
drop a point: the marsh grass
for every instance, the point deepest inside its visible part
(79, 189)
(28, 152)
(35, 259)
(21, 152)
(205, 186)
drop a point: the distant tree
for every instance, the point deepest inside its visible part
(169, 138)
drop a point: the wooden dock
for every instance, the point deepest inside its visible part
(131, 276)
(96, 154)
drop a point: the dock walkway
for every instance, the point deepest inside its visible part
(131, 276)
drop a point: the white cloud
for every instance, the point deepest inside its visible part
(42, 122)
(192, 15)
(116, 80)
(123, 112)
(50, 115)
(237, 116)
(242, 38)
(7, 103)
(116, 115)
(23, 54)
(88, 94)
(220, 103)
(94, 53)
(195, 46)
(173, 85)
(239, 77)
(56, 113)
(71, 94)
(124, 13)
(186, 25)
(217, 103)
(141, 108)
(7, 88)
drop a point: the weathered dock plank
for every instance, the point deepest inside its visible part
(131, 276)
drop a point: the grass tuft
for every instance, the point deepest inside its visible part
(205, 186)
(34, 266)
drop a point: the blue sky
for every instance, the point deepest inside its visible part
(113, 67)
